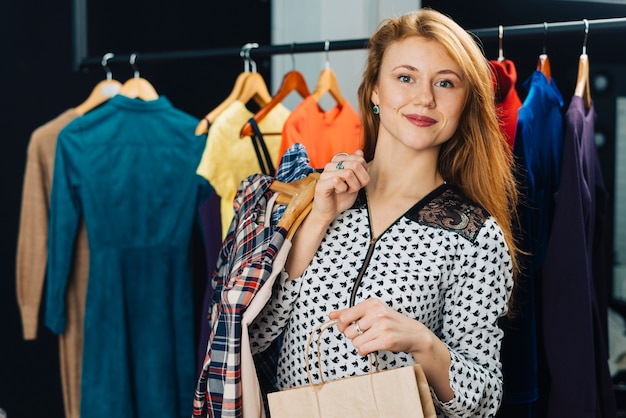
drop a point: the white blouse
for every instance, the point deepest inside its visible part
(444, 263)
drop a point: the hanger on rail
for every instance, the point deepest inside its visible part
(254, 86)
(138, 87)
(248, 85)
(292, 81)
(543, 64)
(500, 43)
(582, 82)
(102, 91)
(327, 82)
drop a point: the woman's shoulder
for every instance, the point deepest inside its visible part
(448, 208)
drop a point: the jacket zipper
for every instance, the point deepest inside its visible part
(368, 256)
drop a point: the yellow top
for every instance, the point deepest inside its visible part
(228, 159)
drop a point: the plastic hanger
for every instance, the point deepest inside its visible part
(582, 82)
(327, 82)
(102, 91)
(298, 196)
(293, 80)
(138, 87)
(203, 125)
(543, 64)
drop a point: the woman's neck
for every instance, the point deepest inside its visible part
(408, 178)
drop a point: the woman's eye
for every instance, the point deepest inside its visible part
(444, 83)
(404, 78)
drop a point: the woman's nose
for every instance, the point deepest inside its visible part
(424, 95)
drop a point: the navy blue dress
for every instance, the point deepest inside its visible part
(129, 169)
(574, 291)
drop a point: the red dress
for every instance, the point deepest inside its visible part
(507, 99)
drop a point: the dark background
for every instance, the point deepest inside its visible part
(38, 82)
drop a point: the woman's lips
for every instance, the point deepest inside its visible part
(419, 120)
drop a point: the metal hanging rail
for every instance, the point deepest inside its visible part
(262, 50)
(515, 31)
(539, 29)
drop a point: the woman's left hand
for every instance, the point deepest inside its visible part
(372, 326)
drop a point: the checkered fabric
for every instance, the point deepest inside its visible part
(244, 263)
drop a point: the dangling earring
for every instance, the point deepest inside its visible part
(376, 109)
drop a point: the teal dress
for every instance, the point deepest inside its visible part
(129, 169)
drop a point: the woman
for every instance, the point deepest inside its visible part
(409, 243)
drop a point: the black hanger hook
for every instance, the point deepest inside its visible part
(293, 57)
(105, 64)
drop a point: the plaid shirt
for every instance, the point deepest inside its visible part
(245, 262)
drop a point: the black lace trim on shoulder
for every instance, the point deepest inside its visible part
(452, 211)
(446, 208)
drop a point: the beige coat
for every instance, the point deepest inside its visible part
(32, 254)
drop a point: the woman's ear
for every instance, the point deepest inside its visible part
(374, 97)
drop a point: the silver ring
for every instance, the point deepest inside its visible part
(358, 328)
(343, 154)
(339, 166)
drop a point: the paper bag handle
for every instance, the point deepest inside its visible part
(321, 328)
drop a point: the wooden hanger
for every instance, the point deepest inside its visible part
(582, 89)
(287, 190)
(298, 196)
(254, 88)
(203, 126)
(138, 87)
(327, 82)
(102, 91)
(236, 92)
(543, 65)
(293, 80)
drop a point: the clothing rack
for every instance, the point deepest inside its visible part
(515, 31)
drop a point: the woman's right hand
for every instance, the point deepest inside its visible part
(339, 184)
(335, 191)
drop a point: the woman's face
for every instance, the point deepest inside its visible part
(420, 92)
